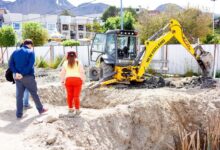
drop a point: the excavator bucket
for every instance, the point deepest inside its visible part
(207, 60)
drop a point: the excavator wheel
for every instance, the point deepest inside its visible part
(94, 73)
(105, 70)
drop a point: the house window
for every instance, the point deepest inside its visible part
(73, 28)
(51, 26)
(80, 36)
(80, 27)
(72, 35)
(65, 27)
(16, 26)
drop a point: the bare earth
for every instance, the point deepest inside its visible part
(117, 119)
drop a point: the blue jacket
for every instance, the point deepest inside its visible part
(22, 61)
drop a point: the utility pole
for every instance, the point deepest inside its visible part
(215, 46)
(213, 17)
(122, 26)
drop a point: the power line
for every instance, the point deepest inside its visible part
(52, 13)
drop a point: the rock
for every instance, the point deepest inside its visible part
(217, 104)
(38, 121)
(51, 119)
(57, 148)
(51, 139)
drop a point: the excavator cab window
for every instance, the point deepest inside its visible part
(126, 47)
(110, 45)
(98, 46)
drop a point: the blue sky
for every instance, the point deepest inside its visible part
(206, 5)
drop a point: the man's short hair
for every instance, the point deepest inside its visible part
(28, 42)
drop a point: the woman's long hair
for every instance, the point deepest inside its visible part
(71, 58)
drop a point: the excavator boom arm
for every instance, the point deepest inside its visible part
(203, 58)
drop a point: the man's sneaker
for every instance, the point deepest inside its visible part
(27, 107)
(19, 117)
(44, 110)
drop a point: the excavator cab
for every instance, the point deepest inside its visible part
(113, 48)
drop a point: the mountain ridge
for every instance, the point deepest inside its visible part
(52, 7)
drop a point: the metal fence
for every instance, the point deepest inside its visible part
(171, 59)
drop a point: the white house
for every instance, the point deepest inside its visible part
(70, 27)
(75, 27)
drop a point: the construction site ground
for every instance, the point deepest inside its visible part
(111, 118)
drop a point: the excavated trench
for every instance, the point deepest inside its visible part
(110, 96)
(132, 118)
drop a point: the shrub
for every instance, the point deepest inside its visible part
(56, 62)
(7, 36)
(151, 71)
(70, 43)
(212, 39)
(36, 32)
(41, 63)
(190, 73)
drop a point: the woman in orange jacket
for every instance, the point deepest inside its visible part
(72, 77)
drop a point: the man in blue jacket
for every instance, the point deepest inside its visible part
(22, 65)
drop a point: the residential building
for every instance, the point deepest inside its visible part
(16, 20)
(1, 20)
(75, 27)
(217, 23)
(2, 11)
(70, 27)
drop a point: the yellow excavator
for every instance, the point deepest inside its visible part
(117, 61)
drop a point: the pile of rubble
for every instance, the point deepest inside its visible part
(192, 82)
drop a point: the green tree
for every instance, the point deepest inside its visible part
(7, 39)
(66, 13)
(89, 27)
(114, 22)
(211, 39)
(195, 23)
(94, 27)
(97, 27)
(129, 21)
(132, 11)
(111, 11)
(36, 32)
(147, 25)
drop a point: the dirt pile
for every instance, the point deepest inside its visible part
(192, 82)
(47, 75)
(159, 82)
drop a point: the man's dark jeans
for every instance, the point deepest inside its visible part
(30, 84)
